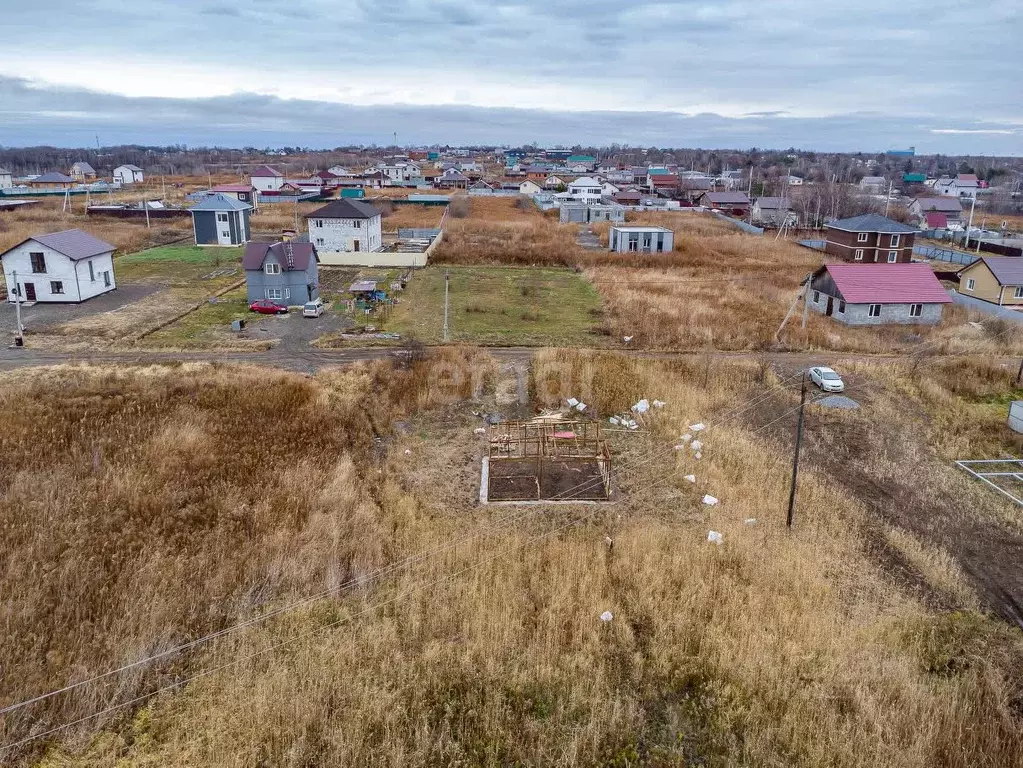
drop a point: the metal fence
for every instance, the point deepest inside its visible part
(747, 228)
(417, 234)
(943, 254)
(494, 193)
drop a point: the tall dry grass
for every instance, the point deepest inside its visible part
(778, 648)
(127, 236)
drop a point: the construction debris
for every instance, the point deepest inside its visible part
(715, 538)
(480, 431)
(690, 478)
(698, 427)
(606, 616)
(659, 403)
(641, 407)
(751, 521)
(710, 501)
(696, 445)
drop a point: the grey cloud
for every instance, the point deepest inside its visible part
(797, 57)
(70, 117)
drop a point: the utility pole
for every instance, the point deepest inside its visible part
(795, 458)
(18, 339)
(1019, 373)
(888, 199)
(146, 206)
(447, 281)
(983, 222)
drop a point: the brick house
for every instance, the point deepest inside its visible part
(870, 238)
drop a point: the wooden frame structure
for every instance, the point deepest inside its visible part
(548, 460)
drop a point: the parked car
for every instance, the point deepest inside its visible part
(826, 379)
(268, 307)
(313, 308)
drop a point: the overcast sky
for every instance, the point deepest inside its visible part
(942, 75)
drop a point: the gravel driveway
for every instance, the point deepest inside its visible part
(42, 314)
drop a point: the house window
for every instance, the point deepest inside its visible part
(861, 237)
(1018, 293)
(287, 293)
(272, 269)
(319, 222)
(56, 286)
(222, 217)
(970, 283)
(319, 241)
(358, 225)
(895, 241)
(859, 254)
(915, 310)
(893, 256)
(38, 262)
(816, 297)
(841, 307)
(92, 273)
(273, 293)
(874, 310)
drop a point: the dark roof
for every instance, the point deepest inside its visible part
(943, 204)
(265, 171)
(52, 176)
(726, 198)
(1008, 270)
(936, 220)
(84, 167)
(772, 203)
(129, 167)
(232, 188)
(218, 202)
(327, 175)
(255, 254)
(73, 243)
(871, 222)
(345, 209)
(887, 283)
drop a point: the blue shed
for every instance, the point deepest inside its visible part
(220, 220)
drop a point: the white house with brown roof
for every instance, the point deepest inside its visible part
(266, 179)
(61, 267)
(128, 174)
(343, 228)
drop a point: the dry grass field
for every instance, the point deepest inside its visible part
(127, 236)
(399, 216)
(156, 515)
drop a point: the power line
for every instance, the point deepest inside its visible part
(353, 583)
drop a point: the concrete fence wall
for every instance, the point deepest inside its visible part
(747, 228)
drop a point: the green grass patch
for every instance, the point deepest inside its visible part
(500, 306)
(206, 324)
(174, 263)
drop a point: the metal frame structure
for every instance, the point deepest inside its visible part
(1015, 474)
(538, 450)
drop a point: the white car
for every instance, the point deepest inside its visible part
(313, 308)
(826, 379)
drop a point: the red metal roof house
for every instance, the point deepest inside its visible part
(877, 294)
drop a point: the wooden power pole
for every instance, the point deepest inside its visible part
(795, 458)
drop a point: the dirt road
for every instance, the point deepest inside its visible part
(310, 359)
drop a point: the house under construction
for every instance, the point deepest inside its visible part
(546, 459)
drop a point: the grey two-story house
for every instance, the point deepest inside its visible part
(286, 272)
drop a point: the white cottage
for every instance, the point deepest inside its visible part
(266, 179)
(342, 228)
(128, 174)
(66, 267)
(585, 189)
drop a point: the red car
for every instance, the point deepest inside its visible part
(268, 307)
